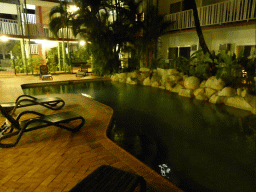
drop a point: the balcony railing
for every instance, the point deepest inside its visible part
(216, 14)
(12, 27)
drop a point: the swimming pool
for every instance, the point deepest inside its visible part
(207, 146)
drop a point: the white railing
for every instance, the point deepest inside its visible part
(34, 49)
(216, 14)
(37, 30)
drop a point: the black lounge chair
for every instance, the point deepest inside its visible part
(18, 127)
(82, 71)
(53, 103)
(44, 73)
(109, 179)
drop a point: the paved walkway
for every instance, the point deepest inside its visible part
(52, 159)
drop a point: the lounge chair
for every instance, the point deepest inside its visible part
(109, 179)
(82, 71)
(44, 73)
(53, 103)
(18, 127)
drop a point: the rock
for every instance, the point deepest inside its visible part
(115, 77)
(169, 85)
(215, 83)
(216, 99)
(186, 92)
(238, 102)
(191, 82)
(177, 88)
(161, 71)
(227, 91)
(244, 93)
(209, 92)
(122, 77)
(142, 76)
(129, 80)
(198, 91)
(161, 87)
(239, 91)
(154, 84)
(144, 69)
(147, 82)
(175, 78)
(202, 97)
(203, 83)
(173, 72)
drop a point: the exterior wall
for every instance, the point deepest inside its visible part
(8, 8)
(214, 37)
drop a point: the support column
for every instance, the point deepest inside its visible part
(23, 53)
(59, 57)
(64, 55)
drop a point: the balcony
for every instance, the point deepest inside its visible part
(215, 14)
(34, 31)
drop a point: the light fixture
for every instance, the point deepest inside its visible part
(82, 43)
(73, 8)
(4, 38)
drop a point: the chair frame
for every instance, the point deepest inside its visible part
(23, 126)
(45, 74)
(28, 100)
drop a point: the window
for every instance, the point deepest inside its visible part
(246, 50)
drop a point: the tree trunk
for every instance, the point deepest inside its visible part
(198, 28)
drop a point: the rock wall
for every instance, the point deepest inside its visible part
(212, 90)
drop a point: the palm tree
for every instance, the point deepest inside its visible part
(60, 18)
(153, 27)
(108, 25)
(192, 4)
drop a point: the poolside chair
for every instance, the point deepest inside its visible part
(53, 103)
(18, 127)
(44, 73)
(82, 71)
(109, 179)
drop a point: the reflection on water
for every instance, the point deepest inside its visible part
(207, 147)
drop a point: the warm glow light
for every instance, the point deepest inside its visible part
(46, 44)
(4, 38)
(82, 43)
(73, 8)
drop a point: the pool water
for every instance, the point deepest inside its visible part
(207, 147)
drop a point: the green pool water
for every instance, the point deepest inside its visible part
(207, 147)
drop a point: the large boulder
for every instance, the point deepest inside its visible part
(239, 91)
(142, 76)
(227, 91)
(198, 91)
(215, 83)
(191, 82)
(244, 93)
(209, 92)
(169, 85)
(144, 69)
(115, 77)
(186, 92)
(173, 72)
(238, 102)
(154, 84)
(216, 99)
(129, 80)
(175, 78)
(203, 83)
(122, 77)
(147, 82)
(161, 71)
(177, 88)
